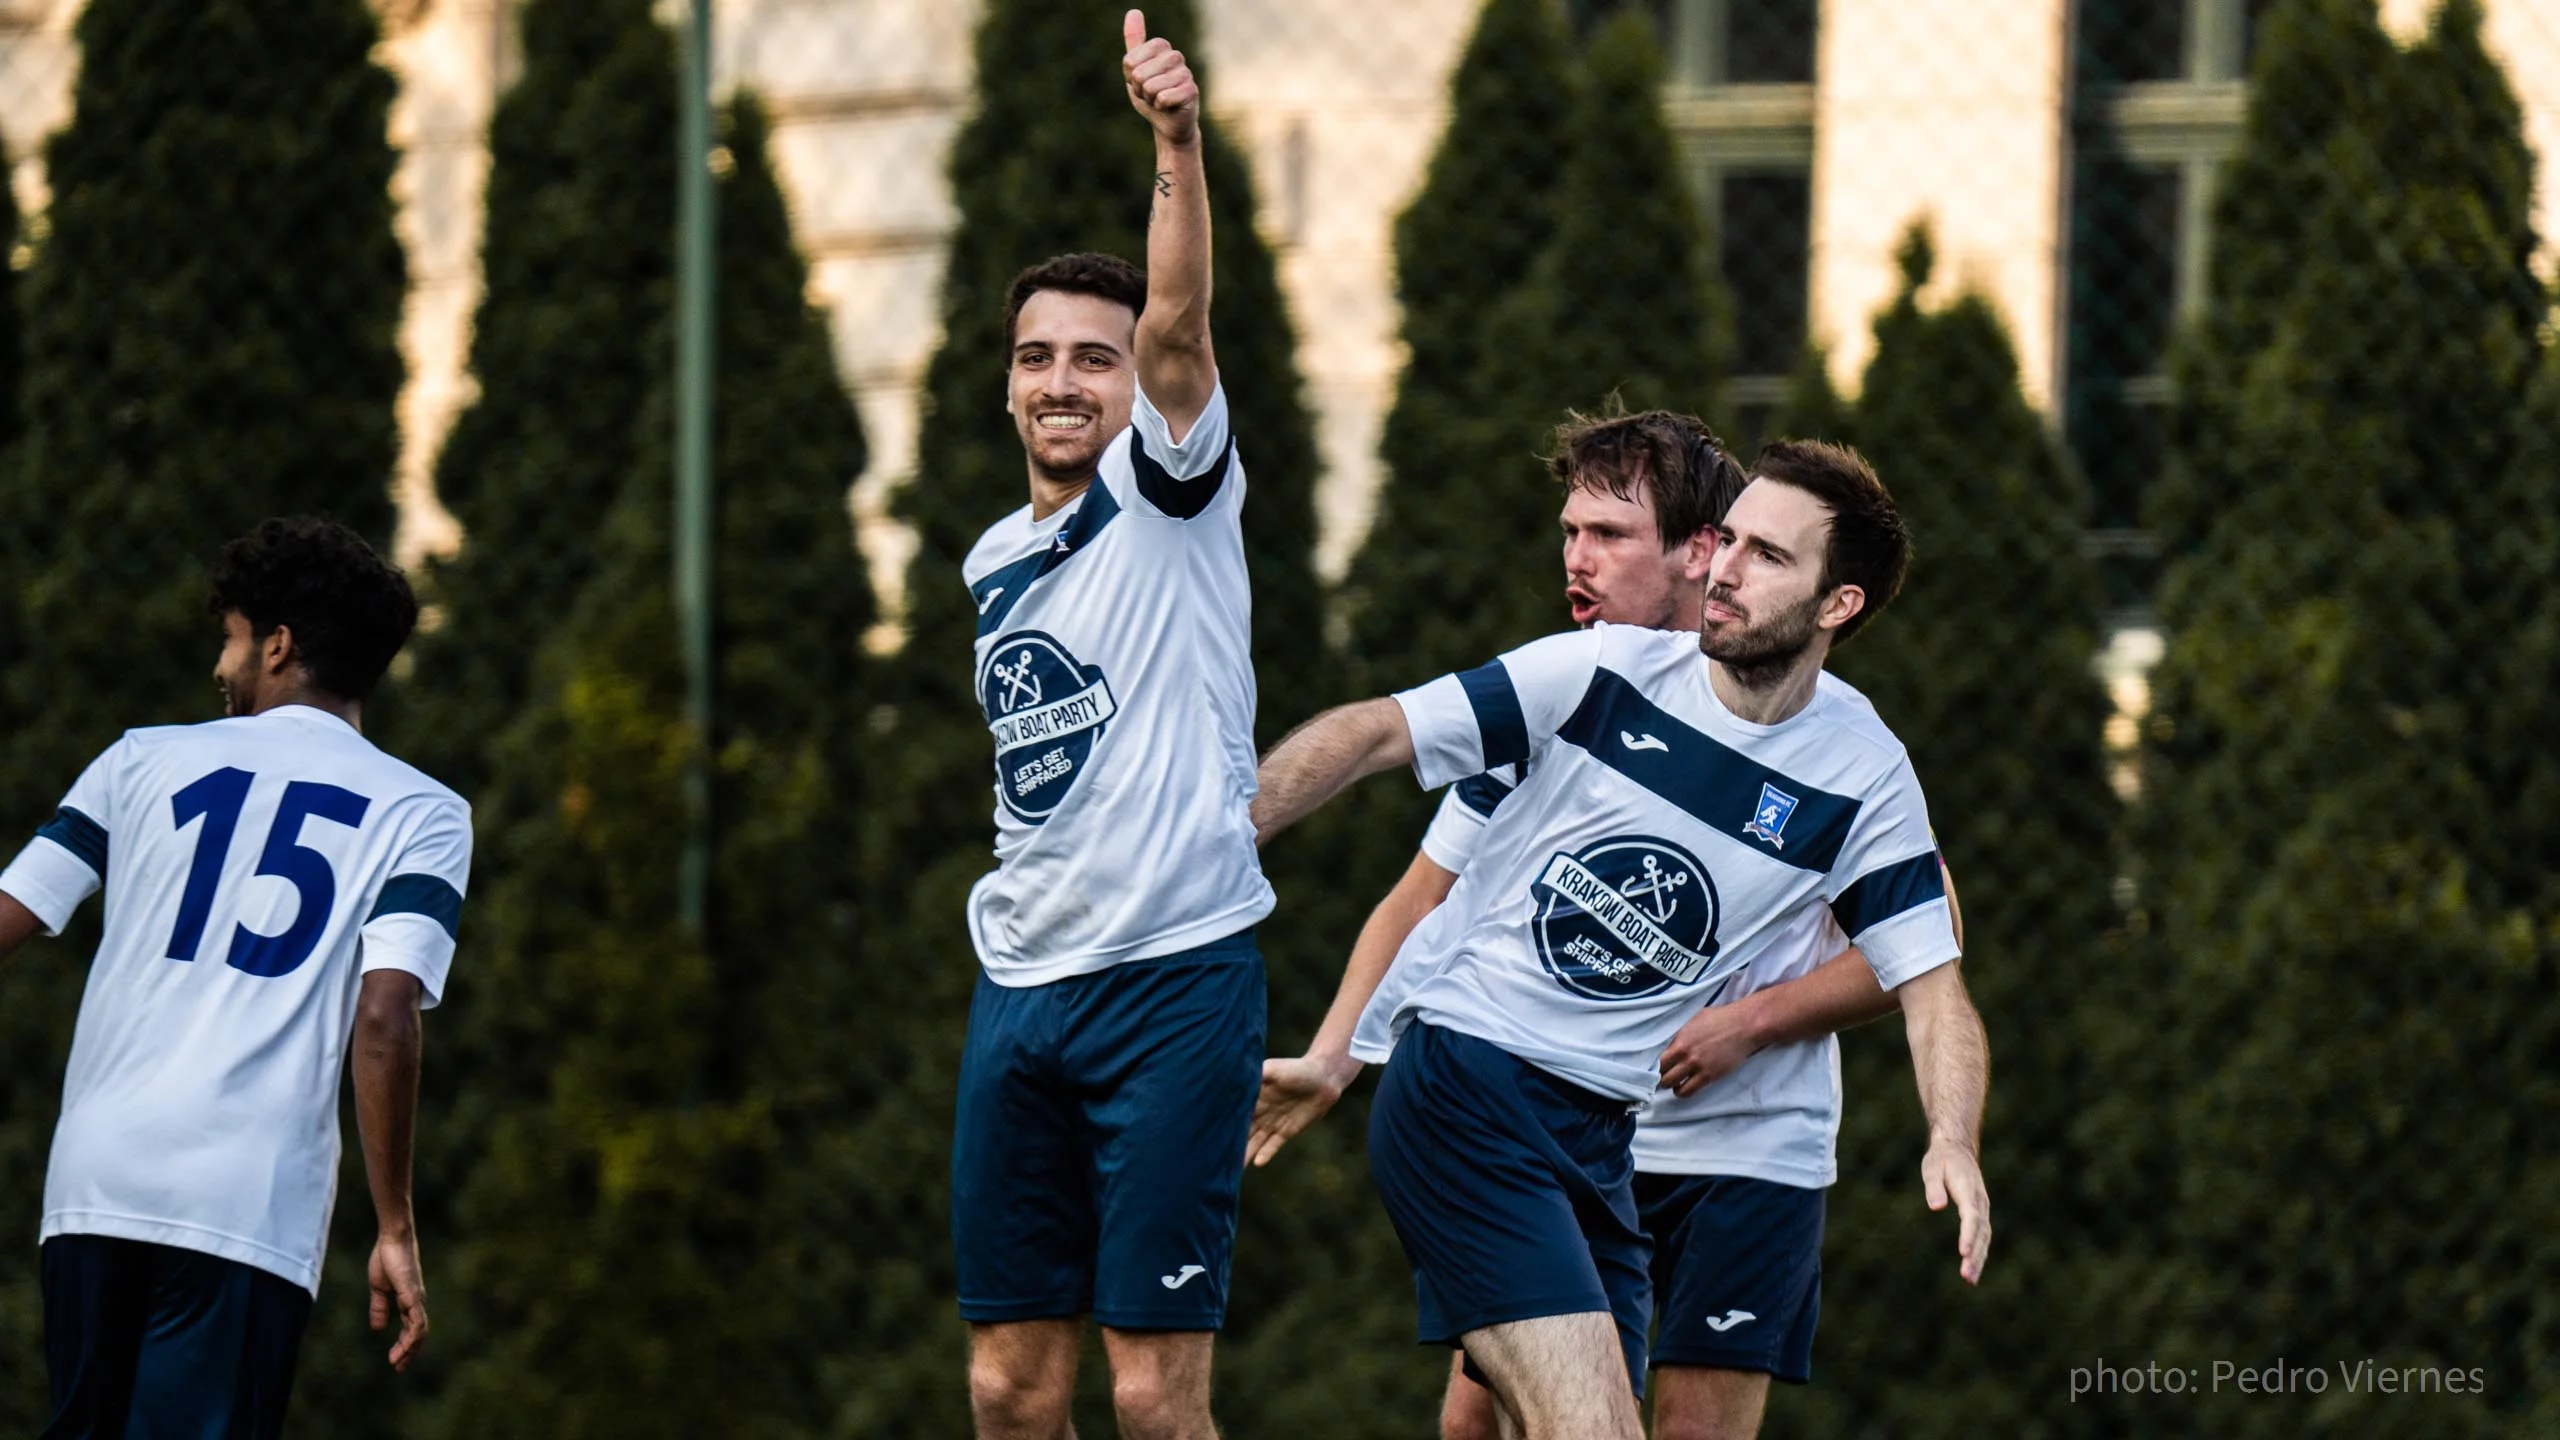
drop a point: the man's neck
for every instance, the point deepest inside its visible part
(1050, 494)
(1770, 693)
(351, 711)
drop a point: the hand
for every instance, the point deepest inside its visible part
(1950, 1170)
(397, 1285)
(1160, 83)
(1714, 1042)
(1295, 1095)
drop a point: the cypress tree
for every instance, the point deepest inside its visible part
(1053, 161)
(646, 1241)
(2346, 843)
(1983, 668)
(208, 340)
(578, 262)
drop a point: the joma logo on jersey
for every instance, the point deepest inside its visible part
(1625, 918)
(1769, 818)
(1046, 712)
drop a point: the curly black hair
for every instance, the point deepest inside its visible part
(349, 609)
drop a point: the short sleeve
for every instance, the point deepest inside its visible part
(1888, 891)
(66, 862)
(1451, 841)
(1179, 481)
(418, 913)
(1496, 714)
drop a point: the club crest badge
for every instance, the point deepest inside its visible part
(1769, 818)
(1046, 712)
(1625, 918)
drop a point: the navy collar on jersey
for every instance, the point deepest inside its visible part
(1000, 592)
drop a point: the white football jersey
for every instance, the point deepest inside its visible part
(1655, 848)
(254, 868)
(1115, 670)
(1775, 1117)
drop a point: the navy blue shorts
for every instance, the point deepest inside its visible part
(150, 1340)
(1512, 1190)
(1100, 1140)
(1737, 1272)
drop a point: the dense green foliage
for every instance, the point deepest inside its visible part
(648, 1236)
(1983, 668)
(578, 268)
(2370, 548)
(208, 340)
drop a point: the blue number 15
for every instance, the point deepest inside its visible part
(216, 799)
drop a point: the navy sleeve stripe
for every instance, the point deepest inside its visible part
(426, 895)
(1181, 499)
(80, 835)
(1498, 717)
(1880, 895)
(1481, 794)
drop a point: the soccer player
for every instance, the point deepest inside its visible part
(1729, 1182)
(1677, 813)
(278, 893)
(1115, 1039)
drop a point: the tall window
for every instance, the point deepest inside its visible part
(1741, 102)
(2158, 104)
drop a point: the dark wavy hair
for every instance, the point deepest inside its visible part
(349, 609)
(1674, 457)
(1870, 546)
(1105, 277)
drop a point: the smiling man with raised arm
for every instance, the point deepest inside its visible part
(1678, 813)
(1116, 1035)
(281, 899)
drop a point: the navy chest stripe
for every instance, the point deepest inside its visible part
(1880, 895)
(1181, 499)
(1709, 779)
(82, 836)
(1000, 592)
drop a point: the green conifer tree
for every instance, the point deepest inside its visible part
(208, 340)
(2346, 842)
(648, 1240)
(577, 260)
(1983, 668)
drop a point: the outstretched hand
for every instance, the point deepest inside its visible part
(1950, 1171)
(1295, 1094)
(1161, 86)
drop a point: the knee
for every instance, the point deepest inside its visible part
(1704, 1422)
(1015, 1402)
(1152, 1406)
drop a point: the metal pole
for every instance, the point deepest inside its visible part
(696, 276)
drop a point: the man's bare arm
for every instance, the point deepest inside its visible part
(1314, 761)
(1175, 366)
(18, 924)
(1951, 1058)
(385, 1062)
(1297, 1092)
(1840, 994)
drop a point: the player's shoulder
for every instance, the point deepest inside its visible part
(1642, 653)
(999, 545)
(1848, 719)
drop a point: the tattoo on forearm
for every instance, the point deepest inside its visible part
(1164, 182)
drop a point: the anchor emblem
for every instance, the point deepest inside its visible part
(1021, 686)
(1654, 891)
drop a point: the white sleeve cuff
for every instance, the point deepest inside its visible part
(413, 944)
(1910, 944)
(50, 881)
(1198, 451)
(1446, 745)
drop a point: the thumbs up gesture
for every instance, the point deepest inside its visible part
(1160, 82)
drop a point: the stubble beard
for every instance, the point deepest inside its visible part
(1760, 656)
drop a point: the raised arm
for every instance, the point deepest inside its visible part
(1314, 762)
(1297, 1092)
(1952, 1060)
(384, 1059)
(1175, 366)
